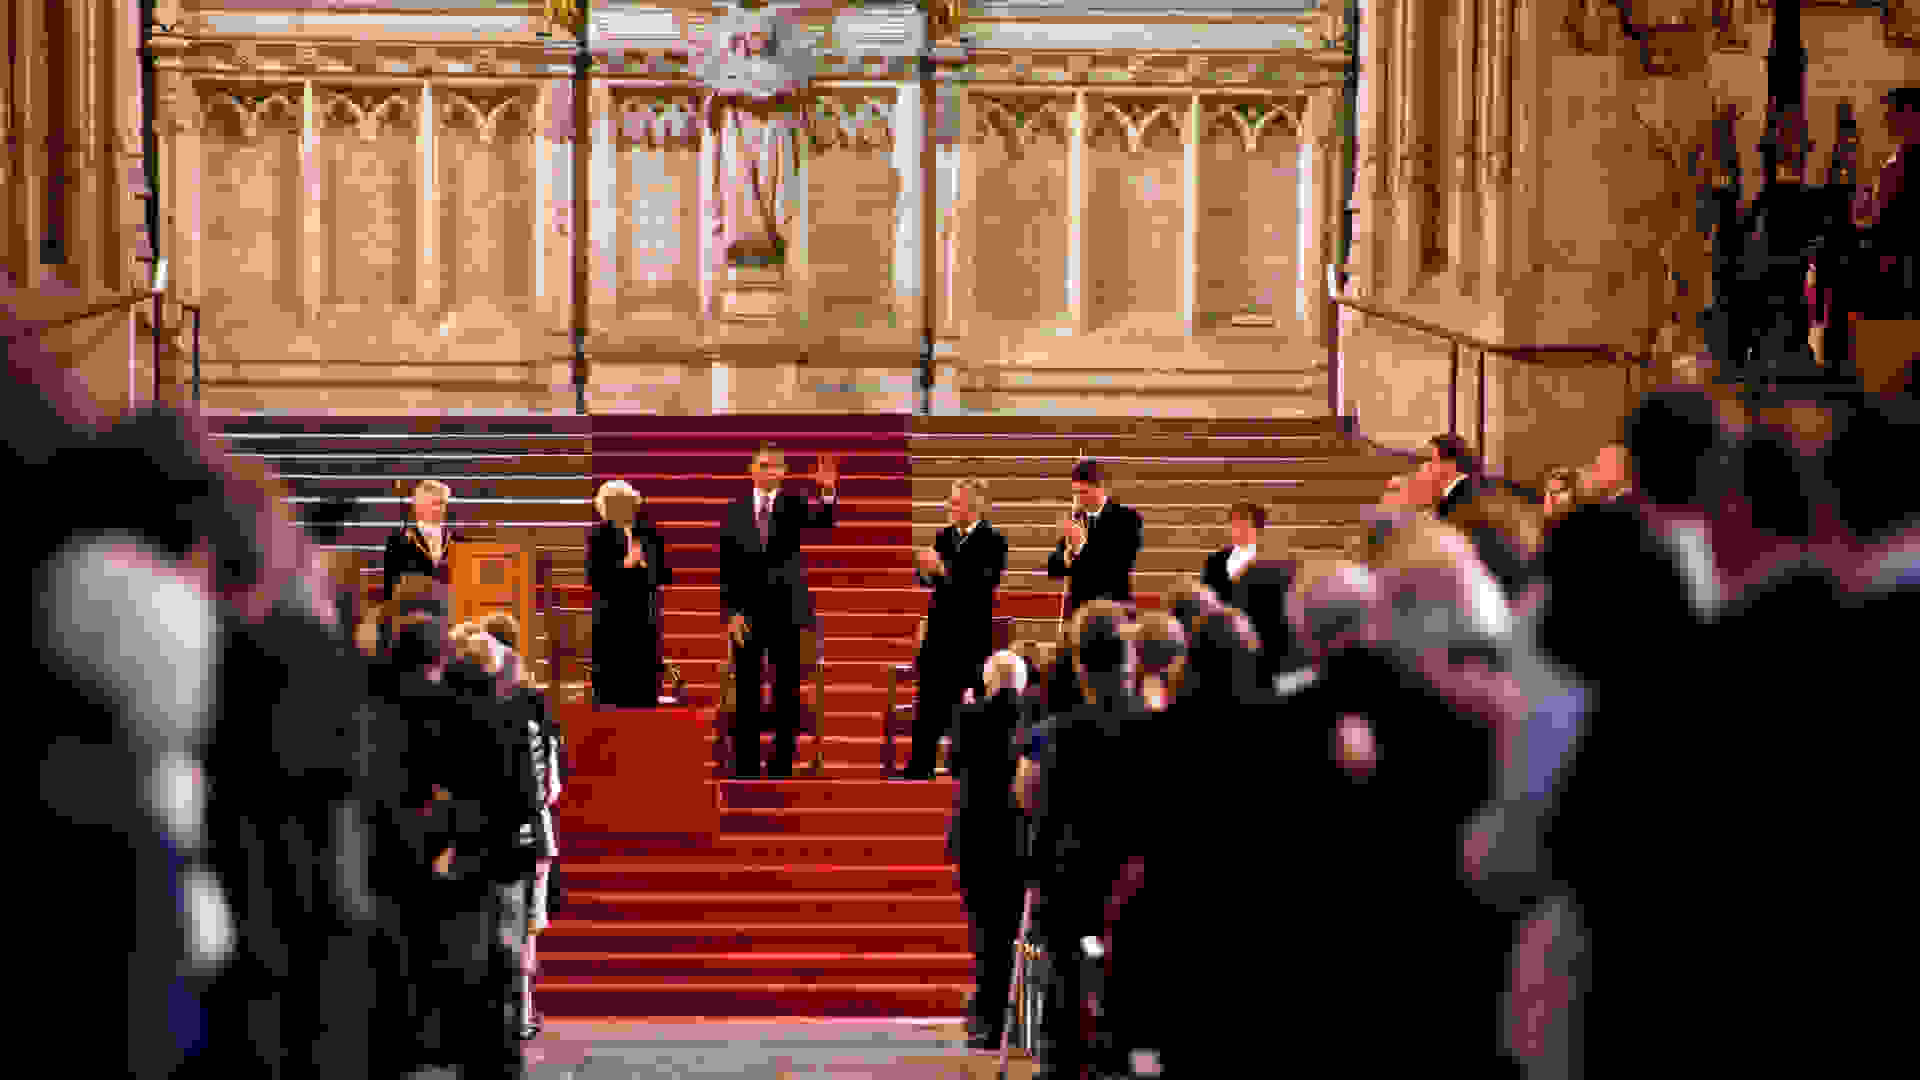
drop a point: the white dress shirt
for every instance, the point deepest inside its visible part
(1238, 561)
(1456, 483)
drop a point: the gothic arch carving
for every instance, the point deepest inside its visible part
(1136, 120)
(843, 122)
(1250, 120)
(656, 123)
(1021, 121)
(366, 109)
(483, 113)
(253, 110)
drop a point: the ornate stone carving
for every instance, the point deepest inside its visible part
(246, 55)
(1078, 65)
(487, 61)
(1137, 118)
(1197, 68)
(177, 103)
(366, 110)
(1900, 23)
(306, 57)
(426, 61)
(366, 57)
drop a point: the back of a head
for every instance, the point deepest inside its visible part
(1162, 644)
(1103, 655)
(416, 641)
(1189, 598)
(1675, 438)
(1860, 464)
(1617, 602)
(1778, 484)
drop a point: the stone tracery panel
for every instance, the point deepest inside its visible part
(484, 185)
(1022, 204)
(367, 157)
(852, 200)
(1135, 209)
(1249, 208)
(657, 140)
(250, 196)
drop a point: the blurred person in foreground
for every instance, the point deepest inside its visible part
(1412, 689)
(1086, 821)
(983, 841)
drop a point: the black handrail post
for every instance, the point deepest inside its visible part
(196, 356)
(1453, 387)
(159, 315)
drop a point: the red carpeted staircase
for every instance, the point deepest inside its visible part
(818, 897)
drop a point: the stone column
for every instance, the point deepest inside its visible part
(28, 194)
(1463, 179)
(965, 219)
(799, 224)
(1496, 158)
(312, 236)
(84, 256)
(1077, 306)
(1411, 150)
(1306, 222)
(426, 296)
(1372, 153)
(543, 149)
(909, 144)
(1320, 220)
(178, 117)
(1190, 218)
(604, 219)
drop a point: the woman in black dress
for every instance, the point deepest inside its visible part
(626, 566)
(421, 545)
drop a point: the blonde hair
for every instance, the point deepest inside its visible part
(433, 487)
(976, 493)
(612, 487)
(1425, 542)
(1005, 669)
(504, 627)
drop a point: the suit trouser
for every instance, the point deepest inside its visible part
(778, 644)
(468, 991)
(993, 896)
(941, 687)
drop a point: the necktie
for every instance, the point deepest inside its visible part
(760, 516)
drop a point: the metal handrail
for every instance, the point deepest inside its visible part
(1455, 342)
(98, 309)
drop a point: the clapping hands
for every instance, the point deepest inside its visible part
(827, 473)
(930, 563)
(1074, 532)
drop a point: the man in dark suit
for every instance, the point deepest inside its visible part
(963, 567)
(983, 837)
(1452, 471)
(1224, 567)
(764, 596)
(1098, 543)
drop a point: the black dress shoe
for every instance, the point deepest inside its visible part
(912, 776)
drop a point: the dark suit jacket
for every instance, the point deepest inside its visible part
(1092, 755)
(1105, 566)
(981, 836)
(407, 554)
(1262, 594)
(960, 616)
(768, 584)
(1214, 576)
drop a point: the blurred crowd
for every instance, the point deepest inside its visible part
(1633, 725)
(331, 826)
(1629, 723)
